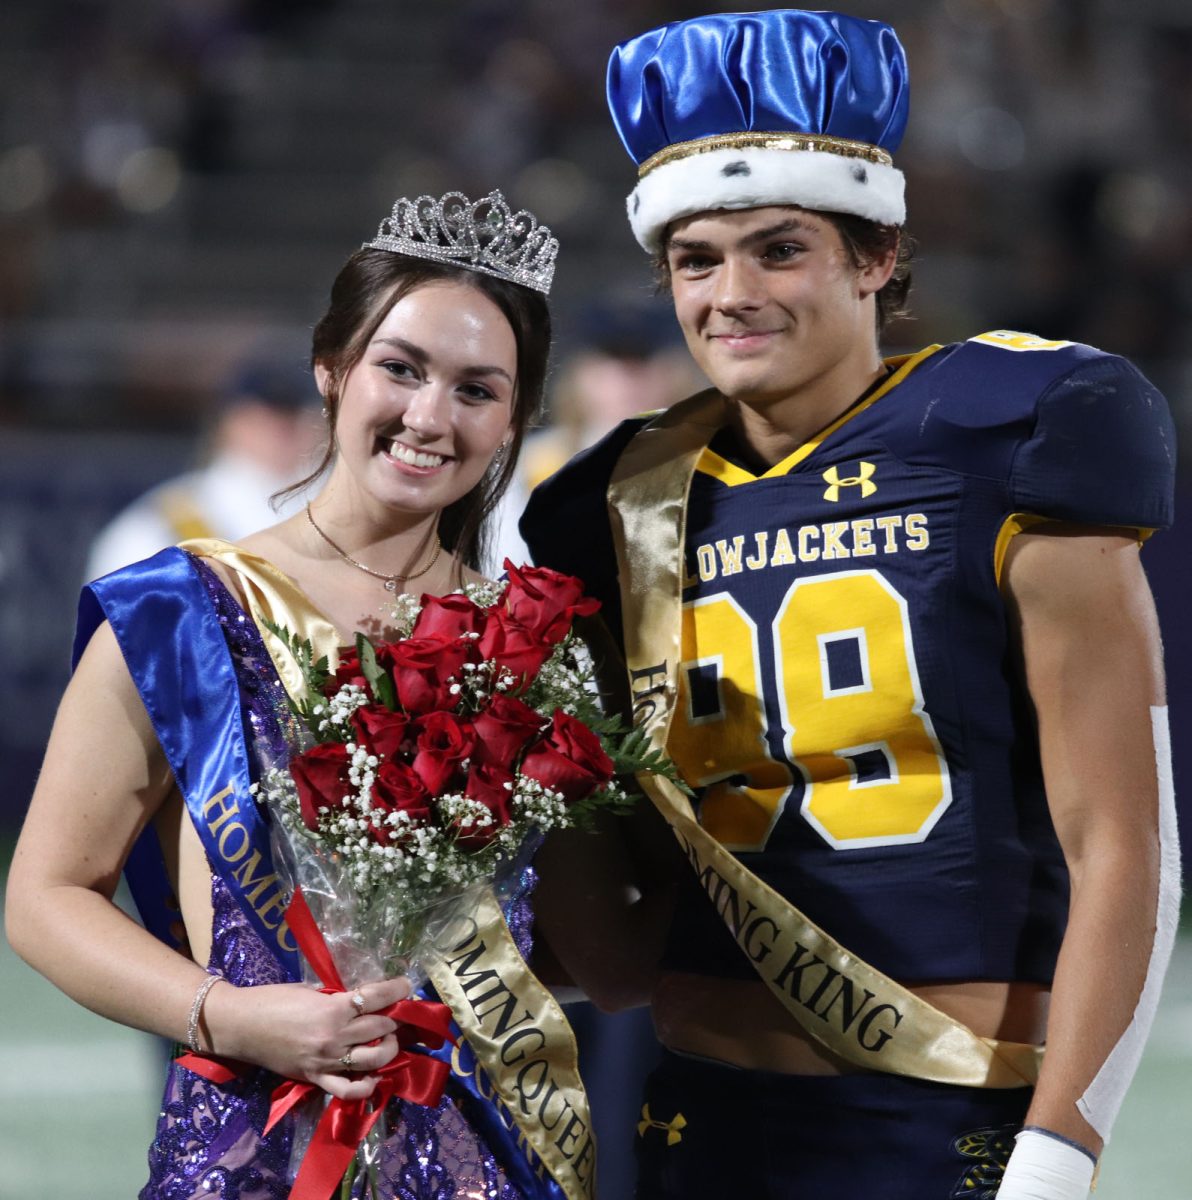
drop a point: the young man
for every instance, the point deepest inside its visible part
(889, 620)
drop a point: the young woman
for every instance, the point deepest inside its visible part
(431, 359)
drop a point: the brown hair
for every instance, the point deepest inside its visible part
(370, 283)
(863, 241)
(866, 241)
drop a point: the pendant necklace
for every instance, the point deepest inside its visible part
(390, 581)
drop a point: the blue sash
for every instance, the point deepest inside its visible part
(176, 653)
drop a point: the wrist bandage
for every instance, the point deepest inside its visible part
(1100, 1103)
(1044, 1166)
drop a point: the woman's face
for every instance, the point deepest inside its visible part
(422, 413)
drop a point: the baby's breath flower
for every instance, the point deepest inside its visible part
(405, 611)
(390, 864)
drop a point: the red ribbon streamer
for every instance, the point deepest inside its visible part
(344, 1124)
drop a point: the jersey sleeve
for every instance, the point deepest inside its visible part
(566, 524)
(1102, 450)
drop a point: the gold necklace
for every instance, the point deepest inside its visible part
(390, 581)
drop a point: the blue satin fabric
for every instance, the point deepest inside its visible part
(175, 650)
(784, 71)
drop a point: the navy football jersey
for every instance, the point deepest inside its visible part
(850, 712)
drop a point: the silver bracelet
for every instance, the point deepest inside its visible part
(192, 1022)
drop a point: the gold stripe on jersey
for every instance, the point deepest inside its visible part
(731, 475)
(1017, 523)
(1012, 526)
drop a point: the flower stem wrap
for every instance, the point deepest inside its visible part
(344, 1124)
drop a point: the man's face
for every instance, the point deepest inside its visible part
(769, 301)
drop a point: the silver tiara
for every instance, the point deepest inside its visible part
(482, 235)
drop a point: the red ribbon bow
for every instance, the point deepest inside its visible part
(344, 1124)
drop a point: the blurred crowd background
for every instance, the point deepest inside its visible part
(181, 179)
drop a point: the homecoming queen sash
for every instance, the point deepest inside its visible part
(519, 1056)
(840, 1001)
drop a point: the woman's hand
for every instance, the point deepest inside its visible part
(105, 777)
(300, 1033)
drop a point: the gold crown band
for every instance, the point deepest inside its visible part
(755, 140)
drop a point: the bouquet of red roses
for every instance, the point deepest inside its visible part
(434, 764)
(439, 759)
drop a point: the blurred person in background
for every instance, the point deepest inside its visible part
(431, 359)
(626, 363)
(262, 436)
(889, 618)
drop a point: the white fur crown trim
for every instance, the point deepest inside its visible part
(752, 178)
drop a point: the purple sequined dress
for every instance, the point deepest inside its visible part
(209, 1141)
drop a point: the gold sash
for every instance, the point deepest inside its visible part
(842, 1002)
(513, 1024)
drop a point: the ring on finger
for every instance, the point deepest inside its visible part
(346, 1060)
(358, 1003)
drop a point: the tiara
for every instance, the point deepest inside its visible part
(481, 235)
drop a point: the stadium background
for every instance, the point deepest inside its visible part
(181, 177)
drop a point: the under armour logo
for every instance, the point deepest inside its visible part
(861, 480)
(673, 1128)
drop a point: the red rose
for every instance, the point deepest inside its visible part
(321, 776)
(423, 670)
(348, 671)
(444, 741)
(448, 616)
(380, 730)
(486, 783)
(397, 789)
(569, 759)
(511, 645)
(545, 602)
(502, 729)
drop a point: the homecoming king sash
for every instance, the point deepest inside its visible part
(518, 1055)
(842, 1002)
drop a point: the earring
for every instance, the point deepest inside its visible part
(499, 454)
(326, 413)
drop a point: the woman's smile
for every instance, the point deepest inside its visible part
(422, 462)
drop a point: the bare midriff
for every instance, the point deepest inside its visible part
(740, 1022)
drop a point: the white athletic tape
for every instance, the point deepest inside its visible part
(1044, 1168)
(1100, 1103)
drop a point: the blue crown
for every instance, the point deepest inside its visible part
(740, 110)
